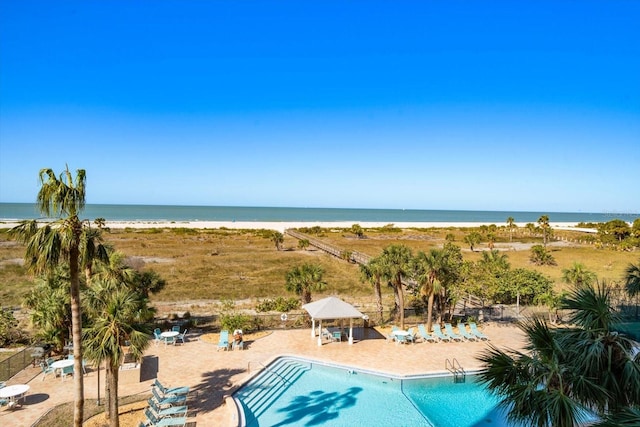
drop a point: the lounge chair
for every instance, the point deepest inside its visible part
(164, 401)
(474, 330)
(171, 411)
(169, 391)
(223, 342)
(336, 336)
(438, 333)
(326, 334)
(465, 334)
(164, 422)
(449, 330)
(426, 336)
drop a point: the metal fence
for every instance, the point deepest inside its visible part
(15, 363)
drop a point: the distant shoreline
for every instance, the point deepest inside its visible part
(283, 225)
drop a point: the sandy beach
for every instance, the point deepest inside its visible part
(281, 226)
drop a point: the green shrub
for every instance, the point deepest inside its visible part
(278, 304)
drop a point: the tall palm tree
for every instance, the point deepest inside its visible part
(511, 223)
(543, 222)
(115, 323)
(56, 243)
(395, 263)
(371, 272)
(303, 279)
(427, 271)
(578, 275)
(564, 372)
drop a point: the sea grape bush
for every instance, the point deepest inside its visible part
(278, 304)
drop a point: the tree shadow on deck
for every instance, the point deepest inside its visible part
(215, 385)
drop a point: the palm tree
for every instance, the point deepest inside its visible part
(49, 304)
(578, 275)
(472, 239)
(372, 272)
(632, 279)
(543, 222)
(511, 223)
(115, 323)
(56, 243)
(427, 270)
(303, 244)
(632, 282)
(304, 279)
(564, 372)
(278, 239)
(395, 263)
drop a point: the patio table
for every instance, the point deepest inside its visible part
(14, 393)
(60, 364)
(169, 336)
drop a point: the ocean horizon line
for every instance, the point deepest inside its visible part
(141, 212)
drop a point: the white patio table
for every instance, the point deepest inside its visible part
(14, 393)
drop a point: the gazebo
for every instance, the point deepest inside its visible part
(331, 308)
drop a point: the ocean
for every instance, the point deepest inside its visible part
(13, 211)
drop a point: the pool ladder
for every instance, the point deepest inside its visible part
(453, 366)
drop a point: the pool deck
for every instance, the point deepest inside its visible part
(213, 374)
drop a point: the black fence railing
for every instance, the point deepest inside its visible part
(15, 363)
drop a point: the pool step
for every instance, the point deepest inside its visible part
(261, 392)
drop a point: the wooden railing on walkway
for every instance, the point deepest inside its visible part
(354, 256)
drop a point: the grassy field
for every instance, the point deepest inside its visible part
(244, 265)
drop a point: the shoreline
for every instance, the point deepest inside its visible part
(281, 226)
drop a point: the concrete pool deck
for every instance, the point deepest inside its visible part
(213, 374)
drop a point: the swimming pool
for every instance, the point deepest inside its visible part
(298, 392)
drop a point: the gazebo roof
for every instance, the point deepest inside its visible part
(332, 308)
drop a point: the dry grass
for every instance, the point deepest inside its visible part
(222, 264)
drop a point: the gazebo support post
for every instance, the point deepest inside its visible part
(313, 327)
(350, 331)
(320, 334)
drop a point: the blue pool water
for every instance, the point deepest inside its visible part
(295, 392)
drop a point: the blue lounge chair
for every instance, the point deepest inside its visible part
(164, 401)
(474, 330)
(168, 391)
(466, 335)
(164, 422)
(449, 330)
(426, 336)
(171, 411)
(438, 333)
(223, 342)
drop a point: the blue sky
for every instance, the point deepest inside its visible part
(478, 105)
